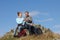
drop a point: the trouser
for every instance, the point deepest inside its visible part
(34, 30)
(31, 29)
(26, 27)
(18, 28)
(38, 31)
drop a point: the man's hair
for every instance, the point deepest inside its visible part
(26, 12)
(18, 13)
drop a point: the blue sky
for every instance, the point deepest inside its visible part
(44, 12)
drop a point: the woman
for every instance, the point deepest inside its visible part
(20, 23)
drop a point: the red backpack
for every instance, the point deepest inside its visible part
(22, 33)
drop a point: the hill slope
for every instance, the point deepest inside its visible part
(47, 35)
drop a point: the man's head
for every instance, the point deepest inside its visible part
(19, 14)
(26, 13)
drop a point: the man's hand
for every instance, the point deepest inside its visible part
(26, 19)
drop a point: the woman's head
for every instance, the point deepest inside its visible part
(19, 14)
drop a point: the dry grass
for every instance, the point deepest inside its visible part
(46, 36)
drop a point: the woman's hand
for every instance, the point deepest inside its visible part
(31, 24)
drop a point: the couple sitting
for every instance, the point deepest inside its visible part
(25, 23)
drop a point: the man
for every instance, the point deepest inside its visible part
(29, 23)
(28, 18)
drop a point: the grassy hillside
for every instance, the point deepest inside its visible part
(47, 35)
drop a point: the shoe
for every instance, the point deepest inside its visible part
(15, 36)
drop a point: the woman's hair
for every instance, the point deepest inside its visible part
(18, 13)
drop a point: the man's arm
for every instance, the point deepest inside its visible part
(30, 18)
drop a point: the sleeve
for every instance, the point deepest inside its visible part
(28, 23)
(30, 18)
(23, 23)
(17, 20)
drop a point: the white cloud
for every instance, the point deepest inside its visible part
(37, 15)
(56, 28)
(58, 32)
(45, 20)
(34, 13)
(45, 13)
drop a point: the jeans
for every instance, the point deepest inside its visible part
(31, 29)
(19, 25)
